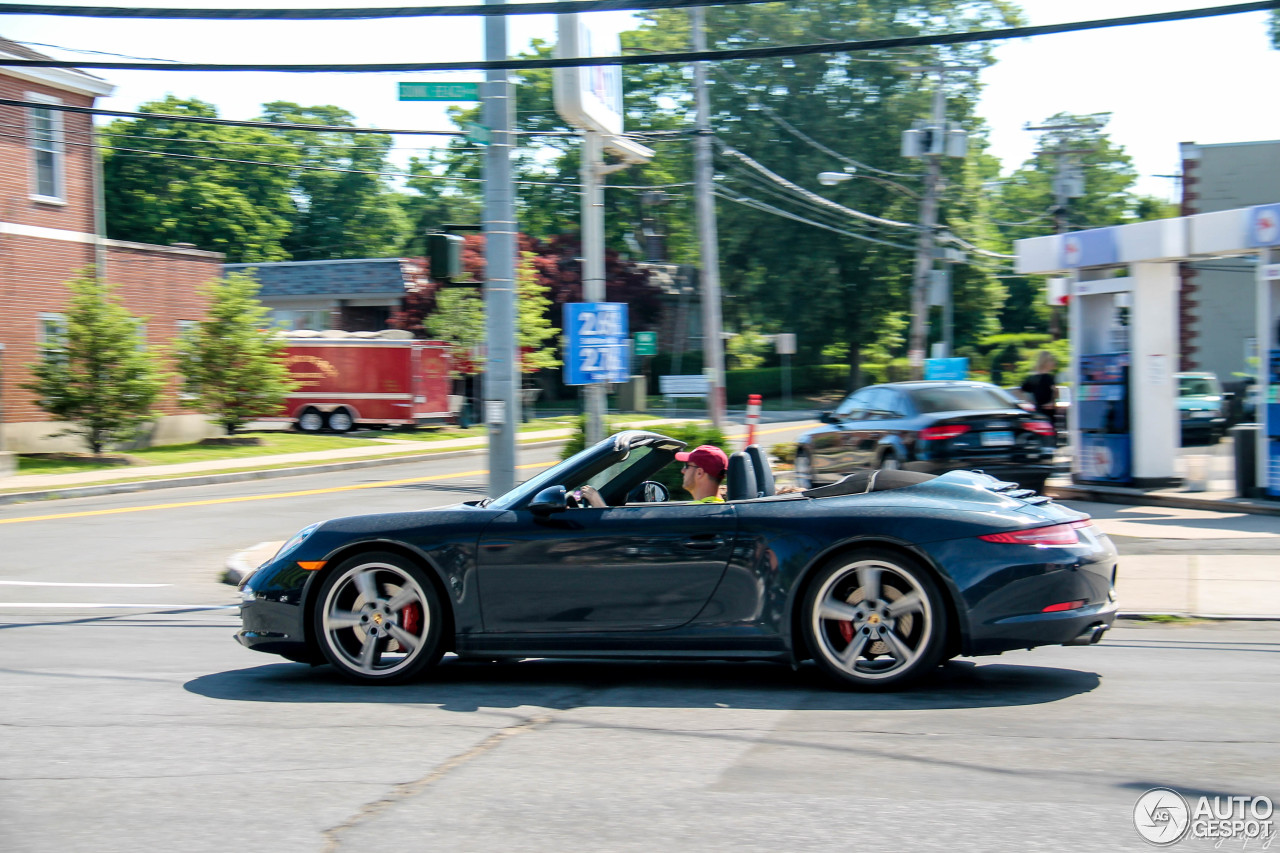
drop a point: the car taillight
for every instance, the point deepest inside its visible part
(1039, 427)
(1064, 605)
(937, 433)
(1054, 534)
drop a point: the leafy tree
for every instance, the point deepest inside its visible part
(805, 115)
(1274, 27)
(534, 328)
(98, 376)
(232, 359)
(209, 185)
(1027, 205)
(746, 349)
(342, 206)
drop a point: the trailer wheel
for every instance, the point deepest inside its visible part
(339, 421)
(310, 421)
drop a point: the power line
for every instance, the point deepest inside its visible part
(758, 184)
(540, 8)
(768, 208)
(678, 57)
(268, 125)
(814, 197)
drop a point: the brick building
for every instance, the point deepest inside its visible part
(49, 227)
(1217, 303)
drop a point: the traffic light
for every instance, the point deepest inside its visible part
(445, 254)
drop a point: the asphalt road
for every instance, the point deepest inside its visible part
(130, 720)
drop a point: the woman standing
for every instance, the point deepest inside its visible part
(1042, 388)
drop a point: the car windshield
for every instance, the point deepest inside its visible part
(617, 471)
(1195, 386)
(960, 398)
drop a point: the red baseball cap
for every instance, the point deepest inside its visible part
(707, 457)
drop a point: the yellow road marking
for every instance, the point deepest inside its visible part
(242, 499)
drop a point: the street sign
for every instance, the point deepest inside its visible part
(439, 91)
(597, 349)
(478, 133)
(946, 368)
(646, 343)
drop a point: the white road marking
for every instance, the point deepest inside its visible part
(59, 583)
(83, 605)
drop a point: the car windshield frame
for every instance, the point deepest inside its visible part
(588, 465)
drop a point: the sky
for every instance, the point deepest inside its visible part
(1205, 81)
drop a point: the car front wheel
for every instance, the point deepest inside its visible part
(378, 619)
(875, 620)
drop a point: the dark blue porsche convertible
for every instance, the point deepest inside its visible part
(877, 578)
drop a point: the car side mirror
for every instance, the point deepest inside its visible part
(649, 492)
(549, 501)
(828, 418)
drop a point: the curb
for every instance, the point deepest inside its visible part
(1137, 497)
(241, 476)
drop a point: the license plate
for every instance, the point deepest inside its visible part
(1202, 414)
(997, 439)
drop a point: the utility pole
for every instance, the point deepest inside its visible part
(925, 241)
(712, 348)
(595, 395)
(501, 370)
(1068, 183)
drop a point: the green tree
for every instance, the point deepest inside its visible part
(98, 376)
(746, 349)
(534, 331)
(1273, 27)
(212, 186)
(458, 318)
(232, 360)
(805, 115)
(1027, 204)
(342, 205)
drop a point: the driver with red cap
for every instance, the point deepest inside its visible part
(704, 468)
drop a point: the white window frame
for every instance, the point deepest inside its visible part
(44, 320)
(187, 390)
(57, 149)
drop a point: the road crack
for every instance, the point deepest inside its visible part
(406, 790)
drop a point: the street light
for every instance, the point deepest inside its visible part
(830, 179)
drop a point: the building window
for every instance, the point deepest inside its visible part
(190, 389)
(45, 137)
(51, 335)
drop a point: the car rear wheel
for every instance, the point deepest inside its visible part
(804, 470)
(339, 420)
(378, 619)
(875, 620)
(310, 421)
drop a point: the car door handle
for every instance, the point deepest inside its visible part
(704, 542)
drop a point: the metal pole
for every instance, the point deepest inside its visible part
(948, 311)
(925, 243)
(594, 395)
(501, 371)
(713, 352)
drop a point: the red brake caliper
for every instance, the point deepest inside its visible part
(411, 618)
(846, 631)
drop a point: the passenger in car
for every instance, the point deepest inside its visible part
(703, 471)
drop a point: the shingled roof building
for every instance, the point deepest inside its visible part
(349, 295)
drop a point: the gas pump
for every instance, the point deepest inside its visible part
(1101, 310)
(1106, 443)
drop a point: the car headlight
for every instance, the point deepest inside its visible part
(296, 540)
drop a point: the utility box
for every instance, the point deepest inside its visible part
(633, 395)
(445, 253)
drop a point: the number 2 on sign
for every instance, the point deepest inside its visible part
(605, 323)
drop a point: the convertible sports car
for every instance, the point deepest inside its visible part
(877, 578)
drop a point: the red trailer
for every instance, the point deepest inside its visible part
(345, 382)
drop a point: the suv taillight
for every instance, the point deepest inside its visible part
(937, 433)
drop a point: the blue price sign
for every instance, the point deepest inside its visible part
(598, 347)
